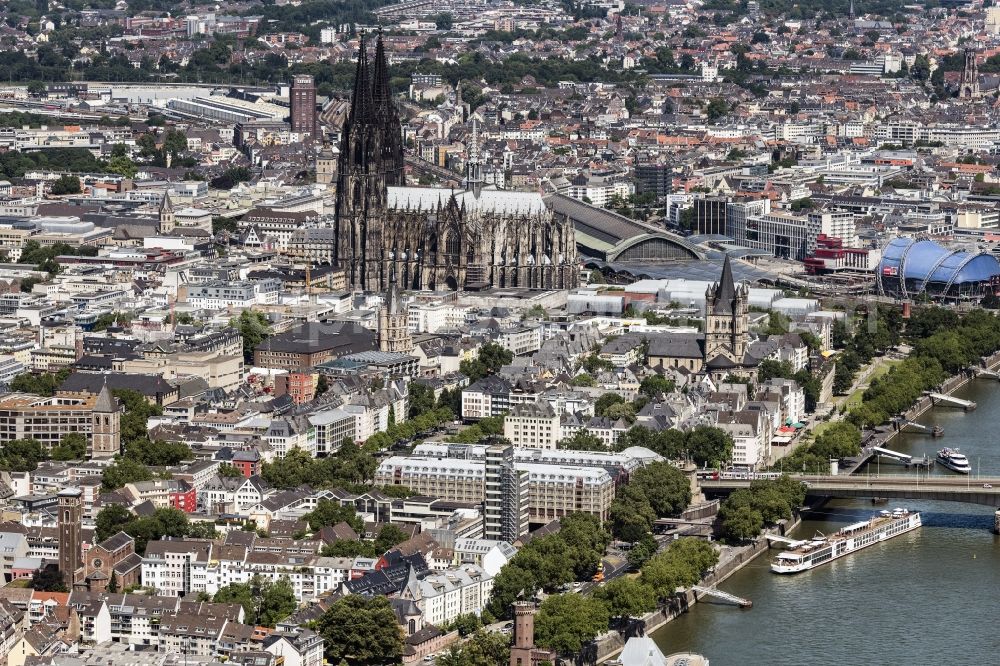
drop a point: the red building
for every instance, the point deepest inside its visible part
(248, 462)
(831, 256)
(185, 498)
(300, 386)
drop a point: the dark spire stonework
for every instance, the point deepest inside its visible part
(725, 297)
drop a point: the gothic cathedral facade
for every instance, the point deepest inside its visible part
(433, 238)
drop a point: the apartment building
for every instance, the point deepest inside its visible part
(238, 295)
(553, 490)
(444, 596)
(490, 396)
(505, 499)
(533, 425)
(178, 567)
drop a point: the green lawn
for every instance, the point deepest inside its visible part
(884, 365)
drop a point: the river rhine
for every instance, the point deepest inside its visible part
(926, 597)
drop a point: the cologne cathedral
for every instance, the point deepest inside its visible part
(434, 238)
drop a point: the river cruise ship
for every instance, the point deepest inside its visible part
(811, 553)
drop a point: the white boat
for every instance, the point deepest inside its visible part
(954, 460)
(811, 553)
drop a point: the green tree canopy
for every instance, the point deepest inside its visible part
(627, 597)
(254, 328)
(485, 648)
(264, 602)
(582, 440)
(565, 622)
(359, 631)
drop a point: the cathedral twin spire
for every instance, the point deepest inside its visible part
(372, 105)
(371, 160)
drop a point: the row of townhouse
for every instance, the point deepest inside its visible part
(189, 567)
(539, 426)
(494, 395)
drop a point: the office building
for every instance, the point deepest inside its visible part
(710, 215)
(98, 417)
(303, 104)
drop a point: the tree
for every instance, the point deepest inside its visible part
(777, 324)
(48, 579)
(361, 632)
(229, 471)
(110, 519)
(840, 440)
(709, 445)
(717, 108)
(485, 648)
(491, 358)
(113, 582)
(254, 328)
(682, 565)
(602, 404)
(443, 20)
(631, 516)
(640, 552)
(420, 399)
(565, 622)
(72, 446)
(328, 512)
(582, 440)
(536, 312)
(66, 184)
(665, 487)
(351, 549)
(627, 597)
(466, 624)
(585, 540)
(158, 453)
(220, 224)
(21, 455)
(277, 600)
(388, 537)
(125, 470)
(175, 142)
(769, 369)
(202, 530)
(43, 383)
(742, 524)
(134, 420)
(655, 385)
(123, 166)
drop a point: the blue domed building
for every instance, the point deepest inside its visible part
(912, 268)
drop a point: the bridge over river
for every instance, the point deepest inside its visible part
(985, 491)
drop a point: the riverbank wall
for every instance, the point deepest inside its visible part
(737, 558)
(948, 387)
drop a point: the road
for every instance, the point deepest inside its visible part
(614, 567)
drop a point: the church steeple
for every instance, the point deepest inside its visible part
(387, 118)
(166, 213)
(381, 94)
(727, 317)
(474, 169)
(362, 105)
(725, 297)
